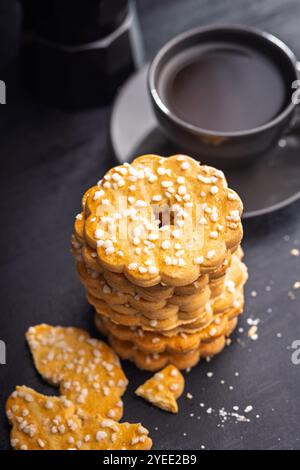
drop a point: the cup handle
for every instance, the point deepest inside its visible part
(294, 127)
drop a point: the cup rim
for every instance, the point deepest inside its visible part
(219, 28)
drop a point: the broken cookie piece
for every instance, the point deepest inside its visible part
(42, 422)
(87, 370)
(163, 389)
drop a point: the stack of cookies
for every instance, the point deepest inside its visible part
(158, 251)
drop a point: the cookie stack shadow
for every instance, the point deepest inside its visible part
(150, 316)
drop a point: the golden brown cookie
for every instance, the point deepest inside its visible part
(150, 342)
(163, 389)
(145, 321)
(133, 304)
(161, 220)
(156, 361)
(86, 370)
(169, 319)
(42, 422)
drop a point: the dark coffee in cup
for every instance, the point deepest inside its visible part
(224, 87)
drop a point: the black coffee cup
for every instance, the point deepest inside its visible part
(232, 49)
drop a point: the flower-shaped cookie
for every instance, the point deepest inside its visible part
(156, 361)
(160, 220)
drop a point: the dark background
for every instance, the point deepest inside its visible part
(49, 157)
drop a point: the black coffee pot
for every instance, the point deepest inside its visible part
(76, 53)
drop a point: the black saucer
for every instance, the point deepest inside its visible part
(270, 184)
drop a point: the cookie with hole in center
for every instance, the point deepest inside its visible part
(159, 220)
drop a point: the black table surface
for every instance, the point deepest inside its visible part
(48, 158)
